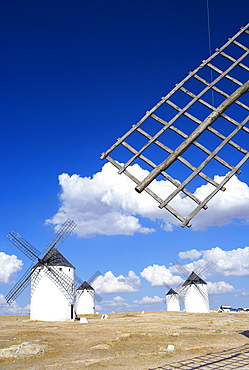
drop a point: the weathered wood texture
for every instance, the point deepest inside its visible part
(212, 101)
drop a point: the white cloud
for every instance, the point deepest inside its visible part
(244, 292)
(233, 262)
(192, 254)
(120, 303)
(9, 266)
(226, 206)
(109, 283)
(107, 203)
(149, 300)
(157, 275)
(229, 263)
(220, 287)
(13, 309)
(117, 302)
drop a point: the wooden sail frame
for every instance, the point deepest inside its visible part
(211, 100)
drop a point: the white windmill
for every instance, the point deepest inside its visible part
(195, 294)
(172, 300)
(52, 278)
(85, 296)
(194, 289)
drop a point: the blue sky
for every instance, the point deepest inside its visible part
(74, 77)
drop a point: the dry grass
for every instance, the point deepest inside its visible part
(133, 340)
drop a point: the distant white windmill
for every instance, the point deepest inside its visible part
(52, 278)
(194, 289)
(85, 296)
(172, 300)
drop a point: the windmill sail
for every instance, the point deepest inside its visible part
(61, 235)
(20, 285)
(23, 245)
(178, 134)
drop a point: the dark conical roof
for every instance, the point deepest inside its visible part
(55, 258)
(193, 279)
(85, 286)
(171, 291)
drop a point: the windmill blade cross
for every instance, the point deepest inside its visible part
(23, 245)
(167, 285)
(97, 297)
(91, 280)
(181, 269)
(77, 281)
(206, 267)
(62, 281)
(203, 294)
(94, 277)
(60, 236)
(36, 278)
(20, 285)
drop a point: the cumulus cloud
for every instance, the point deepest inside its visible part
(13, 309)
(226, 206)
(117, 302)
(107, 204)
(220, 287)
(191, 254)
(149, 300)
(109, 283)
(234, 262)
(9, 266)
(158, 275)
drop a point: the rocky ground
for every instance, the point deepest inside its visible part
(123, 340)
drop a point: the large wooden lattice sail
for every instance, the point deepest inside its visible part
(198, 130)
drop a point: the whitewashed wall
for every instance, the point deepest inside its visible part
(172, 302)
(84, 303)
(194, 301)
(48, 303)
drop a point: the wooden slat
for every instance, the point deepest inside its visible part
(164, 174)
(243, 47)
(192, 138)
(163, 99)
(205, 162)
(233, 60)
(148, 190)
(181, 159)
(230, 78)
(219, 91)
(225, 116)
(211, 195)
(211, 129)
(195, 143)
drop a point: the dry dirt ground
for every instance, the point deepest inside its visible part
(123, 340)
